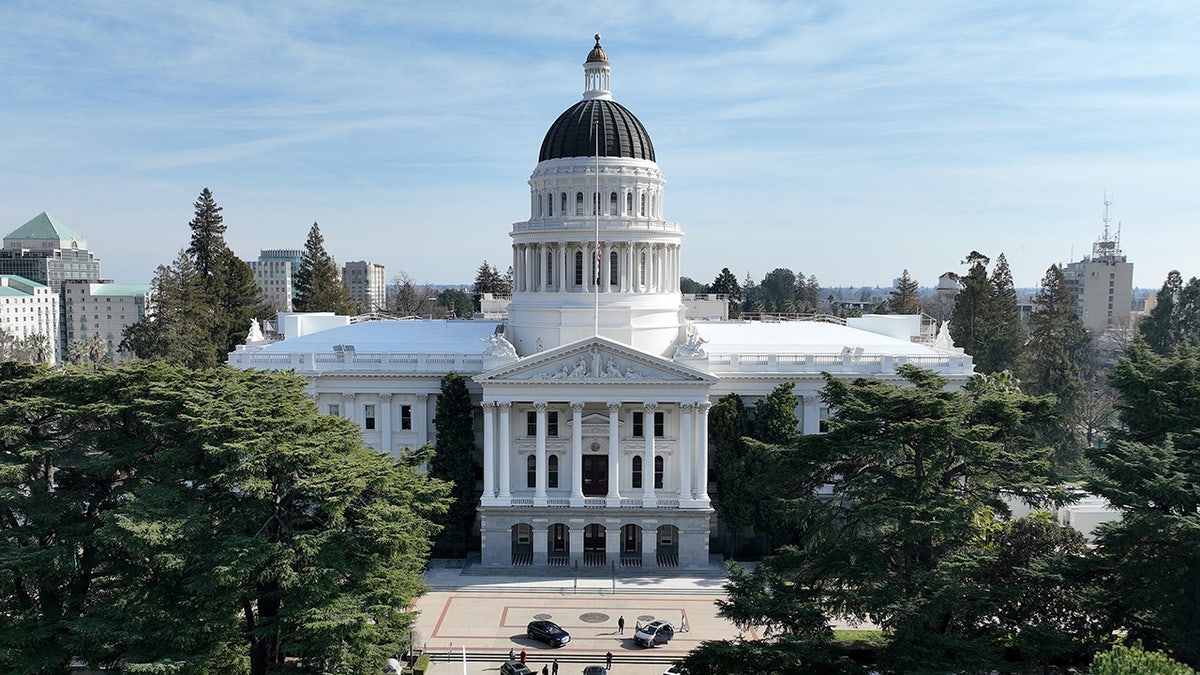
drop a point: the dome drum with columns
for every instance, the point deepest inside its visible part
(593, 395)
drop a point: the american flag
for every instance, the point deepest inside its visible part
(597, 261)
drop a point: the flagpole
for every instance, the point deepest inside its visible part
(596, 211)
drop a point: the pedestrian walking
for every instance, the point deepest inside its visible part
(511, 654)
(522, 656)
(554, 668)
(621, 624)
(545, 670)
(608, 661)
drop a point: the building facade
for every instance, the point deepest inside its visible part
(275, 273)
(593, 394)
(367, 284)
(1102, 283)
(29, 308)
(105, 309)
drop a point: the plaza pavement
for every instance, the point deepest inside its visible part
(486, 614)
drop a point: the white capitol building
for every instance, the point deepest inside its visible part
(594, 393)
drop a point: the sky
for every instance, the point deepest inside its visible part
(843, 140)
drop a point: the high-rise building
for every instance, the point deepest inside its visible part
(275, 273)
(29, 308)
(50, 253)
(104, 309)
(367, 283)
(1102, 282)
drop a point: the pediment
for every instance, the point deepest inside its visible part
(594, 361)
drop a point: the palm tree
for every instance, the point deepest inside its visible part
(97, 349)
(37, 348)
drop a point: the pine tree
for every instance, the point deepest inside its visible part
(488, 280)
(906, 298)
(1058, 352)
(208, 235)
(319, 285)
(454, 460)
(1004, 334)
(972, 306)
(727, 284)
(1175, 320)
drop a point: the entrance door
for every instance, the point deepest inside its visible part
(593, 539)
(595, 475)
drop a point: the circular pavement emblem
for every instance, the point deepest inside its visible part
(646, 618)
(594, 617)
(542, 617)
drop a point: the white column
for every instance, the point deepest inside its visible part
(648, 499)
(685, 451)
(576, 456)
(702, 447)
(489, 451)
(505, 447)
(539, 491)
(350, 412)
(385, 422)
(811, 422)
(562, 267)
(420, 419)
(614, 454)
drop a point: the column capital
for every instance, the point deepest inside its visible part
(650, 406)
(489, 405)
(577, 406)
(688, 407)
(504, 405)
(703, 407)
(540, 406)
(614, 406)
(386, 398)
(809, 399)
(348, 398)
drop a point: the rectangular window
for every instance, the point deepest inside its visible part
(531, 423)
(406, 417)
(335, 409)
(638, 425)
(659, 424)
(369, 416)
(552, 424)
(823, 421)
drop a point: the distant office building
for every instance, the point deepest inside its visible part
(29, 308)
(50, 253)
(367, 283)
(104, 308)
(1102, 282)
(275, 273)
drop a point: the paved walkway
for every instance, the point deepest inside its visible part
(486, 613)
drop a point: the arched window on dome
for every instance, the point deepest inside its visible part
(612, 204)
(642, 205)
(578, 268)
(595, 204)
(549, 269)
(550, 204)
(562, 207)
(579, 203)
(629, 203)
(612, 270)
(642, 269)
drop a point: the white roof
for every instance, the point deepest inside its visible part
(417, 336)
(801, 337)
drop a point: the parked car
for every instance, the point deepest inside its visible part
(514, 667)
(595, 670)
(654, 633)
(548, 632)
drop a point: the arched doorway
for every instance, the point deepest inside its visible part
(558, 545)
(667, 546)
(594, 545)
(522, 544)
(631, 546)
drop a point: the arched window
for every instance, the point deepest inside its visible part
(658, 472)
(637, 471)
(550, 269)
(642, 269)
(595, 203)
(550, 204)
(579, 203)
(612, 269)
(531, 472)
(642, 204)
(578, 268)
(552, 471)
(629, 203)
(612, 204)
(563, 206)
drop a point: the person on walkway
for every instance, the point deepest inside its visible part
(554, 668)
(545, 670)
(621, 625)
(511, 654)
(522, 656)
(608, 661)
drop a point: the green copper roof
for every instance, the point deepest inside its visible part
(44, 227)
(119, 290)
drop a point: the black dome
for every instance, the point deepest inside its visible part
(621, 134)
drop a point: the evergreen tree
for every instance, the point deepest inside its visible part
(778, 291)
(488, 280)
(728, 284)
(728, 425)
(906, 297)
(454, 461)
(775, 417)
(1058, 352)
(208, 236)
(456, 303)
(319, 285)
(1175, 319)
(1005, 335)
(972, 306)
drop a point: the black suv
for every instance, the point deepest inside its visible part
(548, 632)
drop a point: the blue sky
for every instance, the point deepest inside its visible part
(842, 140)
